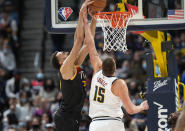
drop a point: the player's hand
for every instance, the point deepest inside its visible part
(144, 105)
(91, 12)
(85, 4)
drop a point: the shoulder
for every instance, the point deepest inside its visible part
(118, 82)
(117, 86)
(66, 76)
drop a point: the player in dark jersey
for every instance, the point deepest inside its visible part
(72, 78)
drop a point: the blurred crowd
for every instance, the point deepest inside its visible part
(9, 42)
(29, 105)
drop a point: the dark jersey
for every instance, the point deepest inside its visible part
(73, 92)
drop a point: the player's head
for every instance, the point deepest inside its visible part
(57, 58)
(109, 66)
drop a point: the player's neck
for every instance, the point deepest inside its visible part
(113, 75)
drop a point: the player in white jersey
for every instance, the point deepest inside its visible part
(107, 92)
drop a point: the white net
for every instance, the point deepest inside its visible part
(114, 26)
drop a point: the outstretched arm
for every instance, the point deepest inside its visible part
(180, 125)
(84, 51)
(120, 89)
(67, 69)
(89, 39)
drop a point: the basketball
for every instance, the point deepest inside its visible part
(98, 5)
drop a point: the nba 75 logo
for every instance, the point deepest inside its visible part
(65, 12)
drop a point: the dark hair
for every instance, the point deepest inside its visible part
(173, 118)
(108, 66)
(12, 119)
(54, 61)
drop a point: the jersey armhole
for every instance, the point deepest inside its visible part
(72, 78)
(75, 73)
(111, 87)
(115, 80)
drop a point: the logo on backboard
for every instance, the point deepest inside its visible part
(160, 83)
(65, 12)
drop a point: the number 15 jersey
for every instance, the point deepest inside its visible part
(102, 101)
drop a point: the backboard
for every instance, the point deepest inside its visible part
(62, 15)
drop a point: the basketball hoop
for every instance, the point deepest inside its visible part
(114, 26)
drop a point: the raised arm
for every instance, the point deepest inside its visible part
(84, 51)
(180, 125)
(79, 33)
(67, 69)
(89, 39)
(120, 89)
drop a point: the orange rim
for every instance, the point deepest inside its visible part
(113, 16)
(102, 15)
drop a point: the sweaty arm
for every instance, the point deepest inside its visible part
(120, 89)
(84, 51)
(68, 70)
(180, 125)
(89, 39)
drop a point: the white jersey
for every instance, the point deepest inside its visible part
(102, 101)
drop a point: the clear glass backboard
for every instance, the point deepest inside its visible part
(62, 15)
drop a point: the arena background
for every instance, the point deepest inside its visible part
(29, 85)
